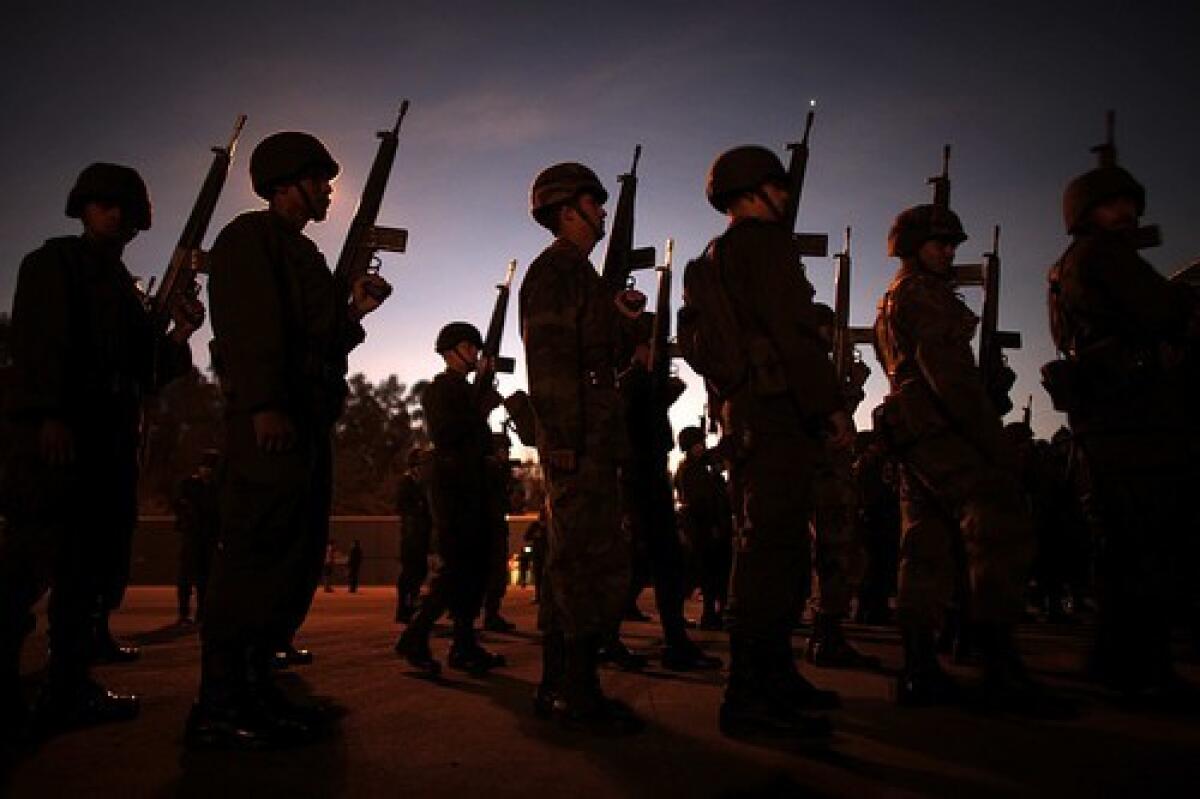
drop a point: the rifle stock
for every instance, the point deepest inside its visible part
(364, 238)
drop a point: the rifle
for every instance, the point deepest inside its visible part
(188, 260)
(1145, 236)
(495, 333)
(850, 371)
(1027, 413)
(365, 238)
(998, 378)
(814, 244)
(621, 258)
(665, 387)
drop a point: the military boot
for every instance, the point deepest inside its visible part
(223, 715)
(413, 646)
(581, 705)
(105, 648)
(552, 675)
(495, 623)
(66, 704)
(1007, 686)
(467, 655)
(750, 709)
(682, 654)
(786, 681)
(828, 647)
(615, 651)
(299, 720)
(922, 682)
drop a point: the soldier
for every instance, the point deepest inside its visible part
(198, 523)
(879, 515)
(353, 566)
(838, 537)
(499, 506)
(774, 415)
(84, 354)
(456, 418)
(1122, 328)
(281, 339)
(707, 523)
(571, 329)
(958, 474)
(416, 528)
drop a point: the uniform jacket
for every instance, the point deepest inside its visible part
(572, 334)
(923, 338)
(280, 341)
(82, 343)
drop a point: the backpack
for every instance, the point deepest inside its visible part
(708, 331)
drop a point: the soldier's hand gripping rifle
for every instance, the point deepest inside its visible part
(188, 259)
(812, 244)
(519, 409)
(621, 258)
(364, 238)
(851, 372)
(665, 387)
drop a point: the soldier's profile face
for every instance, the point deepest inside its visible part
(108, 221)
(320, 193)
(1119, 213)
(593, 209)
(937, 254)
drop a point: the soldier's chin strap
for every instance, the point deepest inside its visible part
(597, 231)
(776, 211)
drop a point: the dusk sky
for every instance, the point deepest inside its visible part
(499, 90)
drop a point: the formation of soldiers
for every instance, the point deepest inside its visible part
(88, 346)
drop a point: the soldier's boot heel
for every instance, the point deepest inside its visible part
(415, 651)
(828, 647)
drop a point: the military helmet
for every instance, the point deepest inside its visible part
(917, 225)
(690, 437)
(456, 333)
(562, 183)
(113, 183)
(1098, 186)
(288, 156)
(740, 170)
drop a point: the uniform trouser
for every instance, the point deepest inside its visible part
(274, 511)
(586, 571)
(771, 476)
(63, 522)
(463, 543)
(839, 550)
(414, 562)
(1135, 497)
(195, 560)
(881, 538)
(497, 577)
(649, 504)
(950, 495)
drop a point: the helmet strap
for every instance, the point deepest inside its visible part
(597, 231)
(766, 198)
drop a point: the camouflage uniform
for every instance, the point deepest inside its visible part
(1112, 315)
(958, 472)
(571, 332)
(281, 343)
(84, 352)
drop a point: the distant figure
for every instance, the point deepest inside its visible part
(84, 356)
(353, 565)
(416, 527)
(535, 547)
(330, 563)
(707, 523)
(500, 496)
(197, 520)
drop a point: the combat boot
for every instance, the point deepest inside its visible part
(922, 682)
(83, 702)
(474, 659)
(288, 655)
(581, 705)
(786, 682)
(495, 623)
(615, 651)
(212, 726)
(828, 647)
(105, 648)
(413, 646)
(682, 654)
(552, 675)
(1007, 686)
(749, 710)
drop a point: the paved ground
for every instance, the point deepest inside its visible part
(406, 736)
